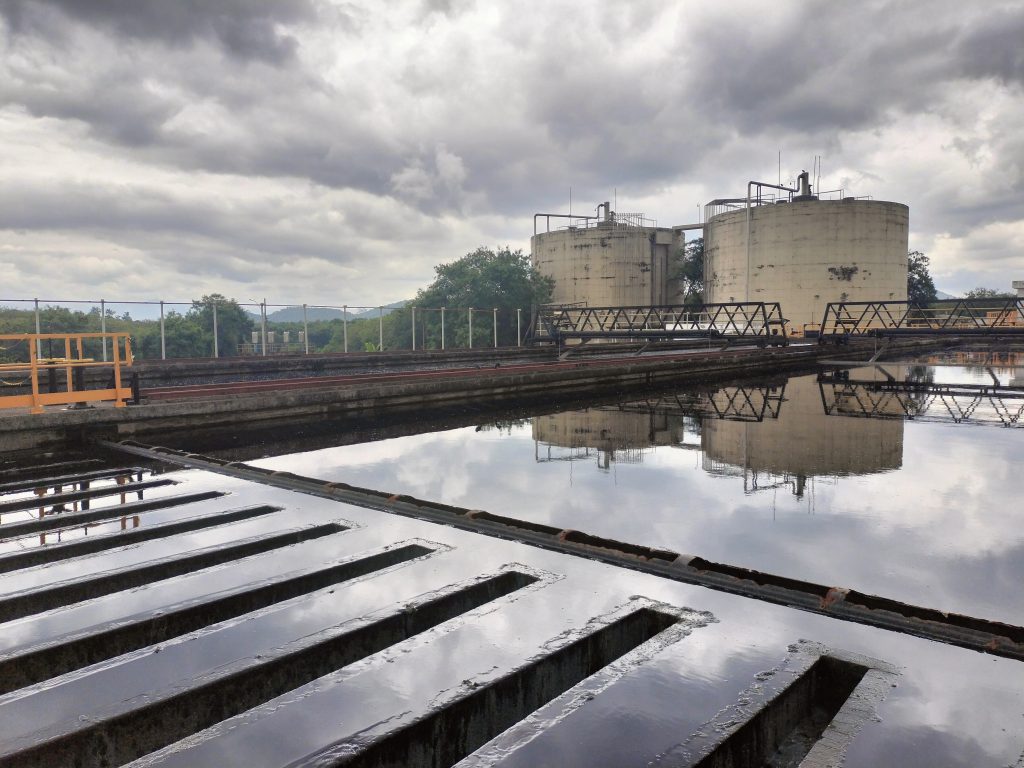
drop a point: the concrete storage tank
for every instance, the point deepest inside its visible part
(806, 252)
(614, 260)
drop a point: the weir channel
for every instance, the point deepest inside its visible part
(815, 568)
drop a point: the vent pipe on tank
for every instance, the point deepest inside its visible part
(803, 191)
(804, 180)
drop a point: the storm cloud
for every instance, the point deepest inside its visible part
(368, 143)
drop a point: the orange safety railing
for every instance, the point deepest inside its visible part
(74, 358)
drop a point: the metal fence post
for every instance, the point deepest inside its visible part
(344, 324)
(495, 327)
(39, 342)
(103, 326)
(519, 326)
(216, 343)
(163, 336)
(305, 330)
(414, 329)
(470, 327)
(380, 338)
(263, 326)
(442, 328)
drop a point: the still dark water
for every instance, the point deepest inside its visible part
(818, 479)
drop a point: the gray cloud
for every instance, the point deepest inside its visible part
(473, 117)
(248, 29)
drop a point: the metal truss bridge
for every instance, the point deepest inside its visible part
(953, 317)
(989, 404)
(758, 322)
(744, 403)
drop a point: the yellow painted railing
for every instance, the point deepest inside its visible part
(73, 359)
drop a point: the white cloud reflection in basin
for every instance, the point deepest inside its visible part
(922, 512)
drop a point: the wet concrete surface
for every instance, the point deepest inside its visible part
(252, 625)
(666, 700)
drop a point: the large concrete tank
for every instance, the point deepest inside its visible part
(615, 261)
(807, 253)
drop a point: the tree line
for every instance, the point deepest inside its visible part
(485, 279)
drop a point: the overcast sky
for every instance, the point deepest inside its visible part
(334, 152)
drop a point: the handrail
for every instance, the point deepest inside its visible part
(74, 359)
(984, 316)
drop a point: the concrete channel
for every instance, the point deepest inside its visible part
(232, 404)
(163, 607)
(250, 642)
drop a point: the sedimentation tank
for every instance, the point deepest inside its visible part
(806, 252)
(606, 261)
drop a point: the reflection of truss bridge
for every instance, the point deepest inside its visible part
(728, 403)
(956, 403)
(955, 317)
(758, 322)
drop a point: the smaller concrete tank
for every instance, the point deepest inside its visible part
(608, 260)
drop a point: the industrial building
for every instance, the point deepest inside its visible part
(776, 244)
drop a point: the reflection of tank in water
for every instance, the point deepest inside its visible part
(610, 434)
(803, 441)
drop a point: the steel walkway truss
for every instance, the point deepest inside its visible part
(953, 317)
(759, 322)
(922, 401)
(748, 403)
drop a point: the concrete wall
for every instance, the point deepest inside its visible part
(807, 254)
(606, 265)
(805, 441)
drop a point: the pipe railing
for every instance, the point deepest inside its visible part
(73, 360)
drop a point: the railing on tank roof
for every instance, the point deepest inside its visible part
(616, 219)
(727, 204)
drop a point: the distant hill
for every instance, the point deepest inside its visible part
(944, 295)
(313, 314)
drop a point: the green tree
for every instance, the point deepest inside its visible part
(690, 272)
(920, 288)
(989, 293)
(183, 337)
(485, 279)
(234, 325)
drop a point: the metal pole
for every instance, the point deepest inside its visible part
(344, 324)
(470, 327)
(103, 327)
(519, 326)
(442, 328)
(216, 343)
(263, 325)
(39, 343)
(305, 329)
(163, 336)
(380, 345)
(414, 329)
(495, 327)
